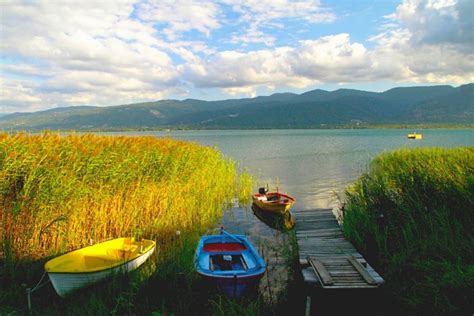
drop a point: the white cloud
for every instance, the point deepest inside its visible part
(329, 59)
(333, 59)
(115, 52)
(253, 35)
(18, 95)
(438, 21)
(432, 41)
(239, 91)
(268, 10)
(260, 15)
(181, 15)
(93, 52)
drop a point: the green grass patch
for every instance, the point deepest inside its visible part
(412, 215)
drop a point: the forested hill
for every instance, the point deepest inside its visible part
(312, 109)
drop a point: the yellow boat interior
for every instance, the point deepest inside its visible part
(102, 256)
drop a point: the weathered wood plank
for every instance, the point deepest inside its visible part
(321, 271)
(363, 272)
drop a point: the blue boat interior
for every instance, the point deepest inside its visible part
(227, 262)
(227, 255)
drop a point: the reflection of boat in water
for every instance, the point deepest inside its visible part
(281, 222)
(415, 136)
(230, 261)
(274, 202)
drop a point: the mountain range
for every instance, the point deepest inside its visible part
(313, 109)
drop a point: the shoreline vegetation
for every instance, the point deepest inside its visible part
(59, 193)
(412, 215)
(194, 128)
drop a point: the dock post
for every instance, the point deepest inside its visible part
(308, 306)
(28, 294)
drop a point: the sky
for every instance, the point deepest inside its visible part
(110, 52)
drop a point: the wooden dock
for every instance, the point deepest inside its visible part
(327, 259)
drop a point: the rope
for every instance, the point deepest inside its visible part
(39, 285)
(36, 287)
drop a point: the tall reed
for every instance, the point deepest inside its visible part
(59, 193)
(412, 214)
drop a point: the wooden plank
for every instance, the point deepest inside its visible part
(318, 243)
(321, 271)
(335, 273)
(312, 217)
(311, 227)
(312, 232)
(350, 286)
(309, 276)
(325, 243)
(363, 272)
(328, 249)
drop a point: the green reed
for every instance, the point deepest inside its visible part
(412, 215)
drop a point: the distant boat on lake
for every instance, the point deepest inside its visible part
(91, 264)
(230, 261)
(415, 136)
(274, 202)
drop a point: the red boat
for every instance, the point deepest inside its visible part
(274, 202)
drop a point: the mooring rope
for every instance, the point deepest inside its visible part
(36, 287)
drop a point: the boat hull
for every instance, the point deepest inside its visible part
(66, 282)
(415, 136)
(280, 204)
(234, 287)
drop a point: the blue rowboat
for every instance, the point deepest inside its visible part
(230, 261)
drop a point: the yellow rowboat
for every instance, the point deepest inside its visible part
(415, 136)
(274, 202)
(84, 266)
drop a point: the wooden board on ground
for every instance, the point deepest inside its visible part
(321, 271)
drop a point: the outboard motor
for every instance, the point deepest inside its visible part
(262, 191)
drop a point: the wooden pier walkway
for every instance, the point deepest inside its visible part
(326, 257)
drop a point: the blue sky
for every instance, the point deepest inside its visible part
(65, 53)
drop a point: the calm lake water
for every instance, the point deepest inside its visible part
(315, 166)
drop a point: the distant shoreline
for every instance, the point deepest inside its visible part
(194, 128)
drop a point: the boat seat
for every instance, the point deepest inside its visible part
(224, 247)
(273, 198)
(121, 253)
(221, 263)
(98, 261)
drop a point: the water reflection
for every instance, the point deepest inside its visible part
(282, 222)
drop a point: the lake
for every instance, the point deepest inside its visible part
(314, 166)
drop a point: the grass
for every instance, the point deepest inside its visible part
(59, 193)
(412, 215)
